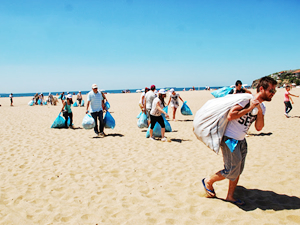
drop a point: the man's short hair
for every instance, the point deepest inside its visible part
(238, 82)
(287, 86)
(265, 82)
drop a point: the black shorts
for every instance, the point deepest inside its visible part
(158, 119)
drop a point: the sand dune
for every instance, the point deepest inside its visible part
(64, 176)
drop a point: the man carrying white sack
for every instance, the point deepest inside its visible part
(233, 144)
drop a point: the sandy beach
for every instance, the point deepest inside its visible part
(64, 176)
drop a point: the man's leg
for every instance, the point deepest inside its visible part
(101, 125)
(231, 189)
(95, 115)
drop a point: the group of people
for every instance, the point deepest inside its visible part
(152, 103)
(95, 102)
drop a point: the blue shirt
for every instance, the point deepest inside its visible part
(95, 101)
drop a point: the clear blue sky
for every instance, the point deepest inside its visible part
(68, 45)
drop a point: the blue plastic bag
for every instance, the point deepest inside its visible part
(157, 129)
(221, 92)
(39, 102)
(143, 121)
(231, 143)
(45, 102)
(31, 103)
(109, 121)
(88, 122)
(185, 110)
(75, 104)
(165, 110)
(138, 116)
(59, 122)
(82, 103)
(107, 105)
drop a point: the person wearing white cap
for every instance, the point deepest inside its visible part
(174, 101)
(67, 112)
(41, 98)
(155, 114)
(79, 98)
(95, 99)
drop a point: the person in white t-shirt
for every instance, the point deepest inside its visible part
(174, 101)
(149, 97)
(11, 99)
(240, 118)
(142, 101)
(155, 114)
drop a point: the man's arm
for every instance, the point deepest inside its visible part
(87, 106)
(260, 121)
(238, 111)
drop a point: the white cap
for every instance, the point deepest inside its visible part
(162, 91)
(79, 91)
(171, 90)
(94, 86)
(155, 92)
(69, 96)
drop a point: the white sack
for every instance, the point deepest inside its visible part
(211, 119)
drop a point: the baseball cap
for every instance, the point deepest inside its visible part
(162, 91)
(152, 86)
(69, 96)
(171, 90)
(94, 86)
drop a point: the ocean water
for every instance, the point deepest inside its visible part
(4, 95)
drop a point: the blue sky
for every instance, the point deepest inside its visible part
(68, 45)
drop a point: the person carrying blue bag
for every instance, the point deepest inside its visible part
(156, 114)
(67, 112)
(96, 101)
(174, 101)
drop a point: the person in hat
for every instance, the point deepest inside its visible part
(174, 101)
(155, 114)
(79, 98)
(67, 112)
(239, 88)
(95, 99)
(149, 96)
(142, 99)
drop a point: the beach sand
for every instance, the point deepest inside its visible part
(64, 176)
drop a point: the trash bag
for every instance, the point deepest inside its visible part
(143, 121)
(107, 105)
(31, 103)
(185, 110)
(165, 110)
(109, 121)
(221, 92)
(88, 122)
(75, 104)
(59, 122)
(82, 103)
(211, 119)
(39, 102)
(138, 116)
(167, 125)
(156, 131)
(45, 102)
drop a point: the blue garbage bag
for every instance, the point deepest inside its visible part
(138, 116)
(69, 122)
(109, 121)
(75, 104)
(88, 122)
(59, 122)
(82, 103)
(185, 110)
(59, 97)
(156, 131)
(143, 121)
(221, 92)
(45, 102)
(165, 110)
(107, 105)
(39, 102)
(167, 125)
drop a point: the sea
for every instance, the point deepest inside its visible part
(4, 95)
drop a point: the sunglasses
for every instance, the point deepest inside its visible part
(273, 91)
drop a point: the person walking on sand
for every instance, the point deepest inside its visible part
(79, 98)
(67, 112)
(149, 96)
(288, 100)
(95, 99)
(155, 114)
(239, 88)
(240, 117)
(174, 101)
(142, 99)
(11, 99)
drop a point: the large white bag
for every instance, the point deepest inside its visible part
(211, 119)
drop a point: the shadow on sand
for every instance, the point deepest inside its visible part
(265, 200)
(262, 134)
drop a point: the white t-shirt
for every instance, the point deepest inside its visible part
(149, 99)
(174, 99)
(238, 128)
(96, 101)
(142, 95)
(154, 111)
